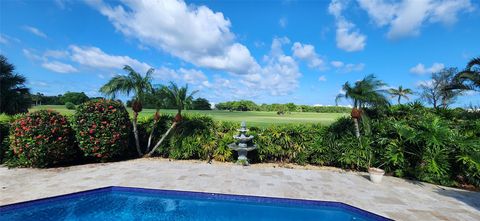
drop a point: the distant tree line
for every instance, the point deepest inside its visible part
(151, 101)
(69, 97)
(246, 105)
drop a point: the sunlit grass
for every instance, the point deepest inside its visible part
(253, 118)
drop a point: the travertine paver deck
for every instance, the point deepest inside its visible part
(395, 198)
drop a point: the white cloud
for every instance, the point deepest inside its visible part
(337, 64)
(59, 67)
(346, 68)
(307, 52)
(353, 67)
(193, 33)
(347, 37)
(283, 22)
(96, 58)
(280, 74)
(32, 55)
(35, 31)
(405, 18)
(193, 76)
(421, 69)
(322, 78)
(55, 54)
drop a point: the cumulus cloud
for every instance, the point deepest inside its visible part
(59, 67)
(405, 18)
(35, 31)
(279, 76)
(322, 78)
(96, 58)
(307, 52)
(192, 33)
(421, 69)
(347, 36)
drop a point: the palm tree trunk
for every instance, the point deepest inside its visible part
(135, 133)
(399, 99)
(357, 128)
(161, 140)
(151, 136)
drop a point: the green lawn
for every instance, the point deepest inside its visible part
(253, 118)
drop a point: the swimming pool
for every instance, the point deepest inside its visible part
(126, 203)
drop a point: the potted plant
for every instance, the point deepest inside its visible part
(376, 174)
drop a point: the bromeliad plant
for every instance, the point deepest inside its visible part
(43, 139)
(102, 129)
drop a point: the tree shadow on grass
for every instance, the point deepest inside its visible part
(470, 198)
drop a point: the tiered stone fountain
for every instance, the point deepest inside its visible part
(242, 145)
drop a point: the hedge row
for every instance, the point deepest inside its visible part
(407, 141)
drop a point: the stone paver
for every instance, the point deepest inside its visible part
(394, 198)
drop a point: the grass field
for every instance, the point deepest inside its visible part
(253, 118)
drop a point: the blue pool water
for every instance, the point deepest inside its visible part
(122, 203)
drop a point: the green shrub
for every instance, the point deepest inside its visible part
(42, 139)
(102, 129)
(193, 138)
(70, 105)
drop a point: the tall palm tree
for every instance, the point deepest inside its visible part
(134, 83)
(468, 79)
(181, 98)
(14, 96)
(367, 92)
(400, 92)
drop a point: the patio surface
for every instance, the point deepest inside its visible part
(395, 198)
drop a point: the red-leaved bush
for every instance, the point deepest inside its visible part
(102, 129)
(43, 139)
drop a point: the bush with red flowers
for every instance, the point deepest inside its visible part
(43, 139)
(102, 129)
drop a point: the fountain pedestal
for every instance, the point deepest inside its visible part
(241, 146)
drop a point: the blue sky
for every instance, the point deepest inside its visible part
(267, 51)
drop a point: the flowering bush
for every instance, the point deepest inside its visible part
(42, 139)
(102, 129)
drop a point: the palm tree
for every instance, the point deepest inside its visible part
(159, 102)
(400, 92)
(468, 79)
(179, 97)
(14, 96)
(126, 84)
(367, 92)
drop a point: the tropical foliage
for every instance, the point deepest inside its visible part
(14, 96)
(367, 92)
(181, 98)
(400, 93)
(469, 78)
(134, 83)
